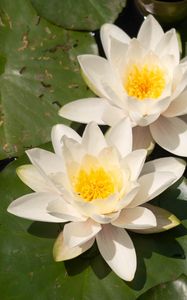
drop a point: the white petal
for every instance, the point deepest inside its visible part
(146, 112)
(72, 150)
(120, 136)
(93, 139)
(60, 130)
(129, 196)
(62, 209)
(105, 219)
(142, 138)
(135, 161)
(135, 218)
(31, 177)
(109, 31)
(177, 107)
(61, 251)
(142, 120)
(150, 33)
(151, 185)
(169, 45)
(171, 134)
(118, 57)
(78, 233)
(164, 219)
(98, 75)
(179, 80)
(34, 207)
(118, 251)
(46, 161)
(136, 52)
(171, 164)
(112, 115)
(85, 110)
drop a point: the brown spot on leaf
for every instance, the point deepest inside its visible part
(46, 85)
(25, 42)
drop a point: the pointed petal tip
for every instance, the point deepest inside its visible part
(165, 220)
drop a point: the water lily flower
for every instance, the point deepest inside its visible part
(142, 78)
(98, 187)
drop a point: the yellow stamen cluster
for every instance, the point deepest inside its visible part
(145, 81)
(95, 184)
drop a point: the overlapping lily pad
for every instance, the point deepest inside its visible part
(79, 15)
(174, 290)
(38, 74)
(161, 257)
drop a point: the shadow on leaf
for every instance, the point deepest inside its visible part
(45, 230)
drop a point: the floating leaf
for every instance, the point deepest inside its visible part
(39, 73)
(173, 290)
(79, 15)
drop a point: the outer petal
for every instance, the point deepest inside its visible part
(150, 33)
(78, 233)
(58, 131)
(135, 161)
(164, 220)
(178, 106)
(118, 251)
(34, 207)
(47, 161)
(118, 57)
(179, 80)
(112, 115)
(151, 185)
(109, 31)
(142, 138)
(64, 210)
(169, 45)
(61, 251)
(98, 75)
(171, 134)
(85, 110)
(174, 165)
(120, 136)
(135, 218)
(31, 177)
(93, 139)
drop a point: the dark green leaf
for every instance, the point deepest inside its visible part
(174, 290)
(81, 14)
(39, 73)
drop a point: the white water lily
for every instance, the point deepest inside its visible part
(98, 185)
(141, 78)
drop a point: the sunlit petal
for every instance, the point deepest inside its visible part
(171, 134)
(118, 251)
(136, 218)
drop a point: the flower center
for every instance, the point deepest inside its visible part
(95, 184)
(145, 81)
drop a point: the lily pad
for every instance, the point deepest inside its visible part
(79, 15)
(28, 270)
(39, 73)
(173, 290)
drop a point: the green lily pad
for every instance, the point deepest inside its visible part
(28, 270)
(39, 73)
(174, 290)
(79, 15)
